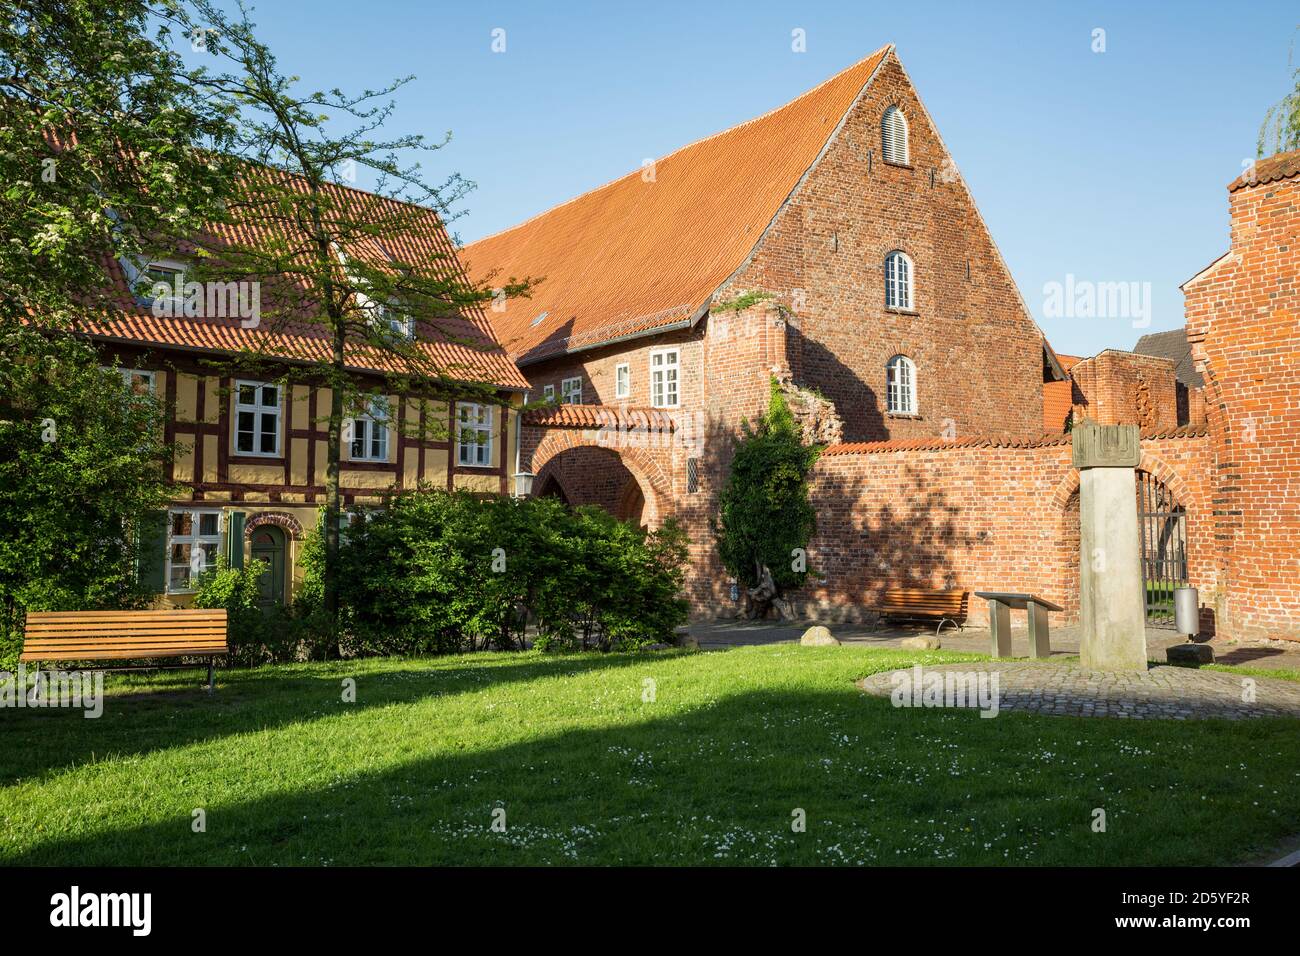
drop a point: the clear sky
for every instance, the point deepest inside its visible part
(1109, 167)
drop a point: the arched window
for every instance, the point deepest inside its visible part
(898, 280)
(900, 377)
(893, 136)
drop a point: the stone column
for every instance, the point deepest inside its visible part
(1112, 608)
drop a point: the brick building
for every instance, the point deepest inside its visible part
(830, 242)
(1243, 324)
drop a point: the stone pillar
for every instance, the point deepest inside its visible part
(1112, 608)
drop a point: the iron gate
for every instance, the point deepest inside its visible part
(1162, 525)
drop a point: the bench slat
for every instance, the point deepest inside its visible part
(126, 655)
(124, 617)
(107, 630)
(121, 645)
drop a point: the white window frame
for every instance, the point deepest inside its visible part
(174, 266)
(571, 391)
(548, 393)
(900, 273)
(665, 390)
(622, 380)
(257, 410)
(894, 145)
(900, 389)
(210, 542)
(477, 420)
(370, 429)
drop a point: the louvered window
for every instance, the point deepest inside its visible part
(893, 129)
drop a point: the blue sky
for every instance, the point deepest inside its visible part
(1109, 167)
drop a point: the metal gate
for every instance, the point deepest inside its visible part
(1162, 525)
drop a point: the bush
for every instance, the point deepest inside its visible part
(765, 517)
(81, 465)
(439, 572)
(258, 635)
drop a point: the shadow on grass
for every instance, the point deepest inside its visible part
(168, 711)
(719, 785)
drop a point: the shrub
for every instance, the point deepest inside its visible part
(81, 466)
(764, 512)
(438, 572)
(258, 635)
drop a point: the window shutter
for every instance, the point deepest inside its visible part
(235, 538)
(151, 551)
(894, 130)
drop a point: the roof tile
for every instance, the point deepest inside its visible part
(647, 250)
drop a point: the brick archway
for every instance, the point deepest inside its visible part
(641, 464)
(280, 519)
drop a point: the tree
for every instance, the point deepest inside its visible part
(82, 462)
(370, 274)
(106, 146)
(1280, 130)
(765, 518)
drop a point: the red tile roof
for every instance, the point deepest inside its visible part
(1270, 170)
(463, 346)
(647, 252)
(1058, 398)
(601, 416)
(943, 444)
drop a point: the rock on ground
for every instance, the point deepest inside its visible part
(922, 642)
(817, 636)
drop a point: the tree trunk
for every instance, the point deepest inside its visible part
(333, 504)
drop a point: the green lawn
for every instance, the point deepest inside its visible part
(709, 772)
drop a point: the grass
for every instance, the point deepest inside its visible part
(709, 772)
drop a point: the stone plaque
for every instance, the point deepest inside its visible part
(1105, 446)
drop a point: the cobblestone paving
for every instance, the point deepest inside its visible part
(1176, 693)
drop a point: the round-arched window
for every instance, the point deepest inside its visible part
(900, 386)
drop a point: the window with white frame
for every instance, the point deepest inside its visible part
(370, 432)
(399, 324)
(139, 381)
(898, 280)
(622, 380)
(474, 435)
(193, 544)
(257, 419)
(548, 393)
(665, 373)
(571, 391)
(900, 385)
(893, 134)
(164, 278)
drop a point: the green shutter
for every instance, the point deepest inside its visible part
(235, 538)
(151, 551)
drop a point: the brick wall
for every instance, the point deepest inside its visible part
(1243, 322)
(978, 354)
(976, 516)
(1124, 388)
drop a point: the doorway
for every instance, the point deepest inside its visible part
(269, 546)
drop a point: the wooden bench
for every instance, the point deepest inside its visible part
(925, 604)
(126, 636)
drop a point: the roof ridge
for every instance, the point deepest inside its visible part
(881, 52)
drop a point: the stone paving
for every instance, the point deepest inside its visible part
(714, 635)
(1162, 692)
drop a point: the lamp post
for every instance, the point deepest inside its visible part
(524, 483)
